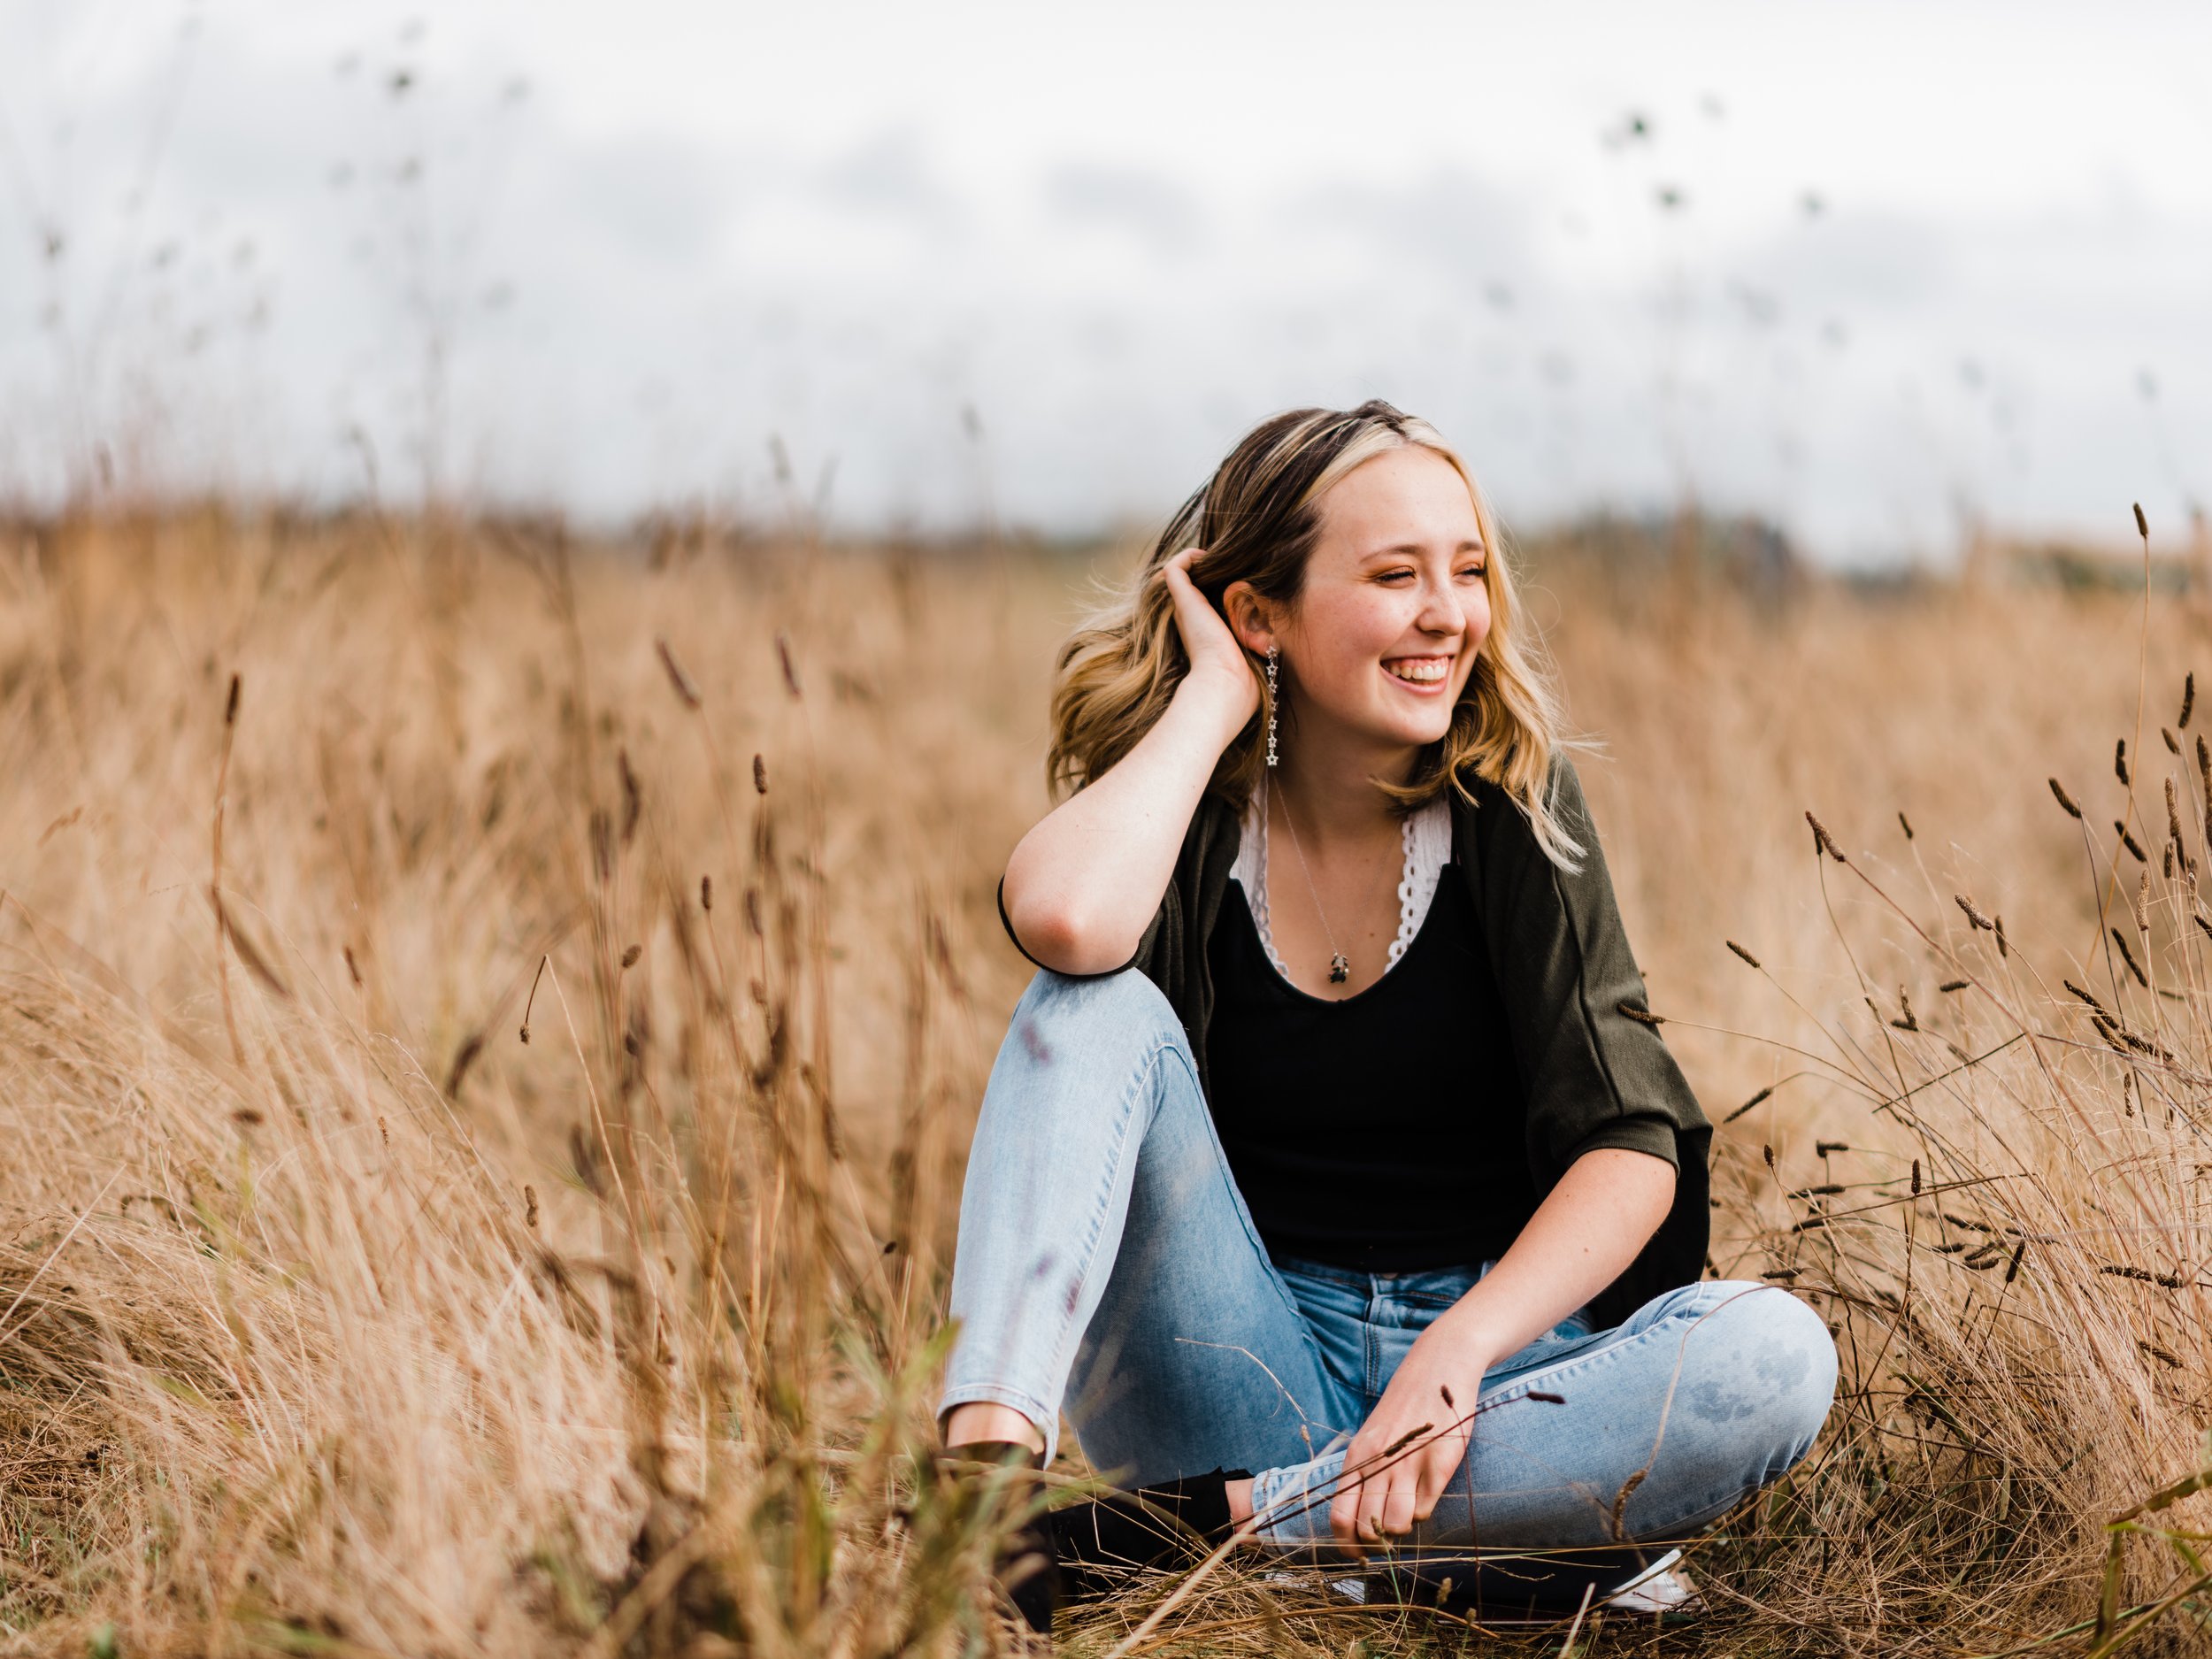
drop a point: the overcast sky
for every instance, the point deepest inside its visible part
(1873, 271)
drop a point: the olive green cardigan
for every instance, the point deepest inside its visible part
(1594, 1076)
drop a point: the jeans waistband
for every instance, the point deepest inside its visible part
(1361, 1278)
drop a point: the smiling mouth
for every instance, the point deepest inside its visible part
(1419, 670)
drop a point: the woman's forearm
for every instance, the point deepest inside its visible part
(1084, 884)
(1583, 1236)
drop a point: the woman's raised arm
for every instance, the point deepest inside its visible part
(1083, 885)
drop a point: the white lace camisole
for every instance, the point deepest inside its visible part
(1427, 839)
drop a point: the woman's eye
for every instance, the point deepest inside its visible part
(1475, 571)
(1392, 576)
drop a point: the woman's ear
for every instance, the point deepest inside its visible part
(1251, 619)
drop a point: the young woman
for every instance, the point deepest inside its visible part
(1327, 1178)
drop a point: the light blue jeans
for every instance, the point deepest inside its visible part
(1107, 1266)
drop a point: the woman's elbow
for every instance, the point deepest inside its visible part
(1060, 937)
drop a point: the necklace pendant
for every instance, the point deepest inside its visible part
(1339, 969)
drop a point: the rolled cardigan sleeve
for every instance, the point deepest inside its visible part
(1594, 1077)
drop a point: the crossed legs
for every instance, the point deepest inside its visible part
(1107, 1267)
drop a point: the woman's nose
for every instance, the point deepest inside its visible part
(1444, 613)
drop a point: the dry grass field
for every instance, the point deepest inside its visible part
(489, 1028)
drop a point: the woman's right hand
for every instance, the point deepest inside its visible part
(1219, 669)
(1085, 881)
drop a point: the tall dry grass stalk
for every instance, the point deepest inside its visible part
(546, 1252)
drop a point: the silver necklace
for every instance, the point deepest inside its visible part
(1339, 964)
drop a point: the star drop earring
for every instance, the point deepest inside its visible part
(1272, 652)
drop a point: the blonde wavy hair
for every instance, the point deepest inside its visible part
(1258, 518)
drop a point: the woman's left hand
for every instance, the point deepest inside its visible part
(1405, 1455)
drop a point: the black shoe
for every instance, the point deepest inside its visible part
(1100, 1543)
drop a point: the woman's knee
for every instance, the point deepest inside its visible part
(1064, 1020)
(1768, 1370)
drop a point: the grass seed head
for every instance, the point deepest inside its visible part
(633, 798)
(531, 1000)
(1748, 1104)
(249, 954)
(602, 845)
(687, 688)
(1822, 841)
(2142, 524)
(2067, 801)
(790, 669)
(1906, 823)
(2120, 763)
(471, 1046)
(1746, 955)
(2128, 957)
(2188, 698)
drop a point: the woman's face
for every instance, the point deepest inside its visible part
(1395, 605)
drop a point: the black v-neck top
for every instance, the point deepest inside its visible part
(1586, 1046)
(1385, 1131)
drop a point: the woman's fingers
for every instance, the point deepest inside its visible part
(1378, 1499)
(1389, 1484)
(1176, 574)
(1216, 658)
(1193, 610)
(1365, 1500)
(1440, 1465)
(1344, 1508)
(1396, 1512)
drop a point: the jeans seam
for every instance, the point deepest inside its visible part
(1087, 1256)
